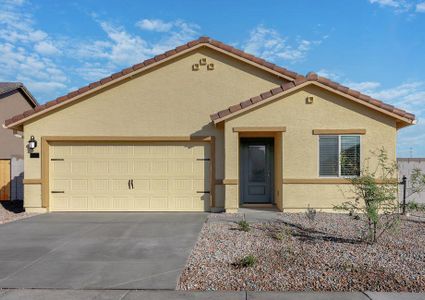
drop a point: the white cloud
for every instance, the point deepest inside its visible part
(47, 48)
(122, 48)
(400, 91)
(391, 3)
(364, 87)
(154, 25)
(409, 96)
(399, 6)
(26, 50)
(271, 45)
(95, 70)
(420, 7)
(332, 75)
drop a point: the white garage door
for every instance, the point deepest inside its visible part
(155, 176)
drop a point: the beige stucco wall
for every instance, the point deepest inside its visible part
(300, 146)
(172, 100)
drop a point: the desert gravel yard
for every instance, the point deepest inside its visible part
(294, 253)
(13, 210)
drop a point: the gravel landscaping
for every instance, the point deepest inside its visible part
(13, 210)
(293, 253)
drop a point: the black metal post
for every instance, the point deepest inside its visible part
(404, 183)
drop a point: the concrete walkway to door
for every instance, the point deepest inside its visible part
(97, 250)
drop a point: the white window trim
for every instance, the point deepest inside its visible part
(339, 155)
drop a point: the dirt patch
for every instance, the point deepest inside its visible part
(295, 254)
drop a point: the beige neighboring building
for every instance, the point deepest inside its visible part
(14, 99)
(202, 127)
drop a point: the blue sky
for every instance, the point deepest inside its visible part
(376, 46)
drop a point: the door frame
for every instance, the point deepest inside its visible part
(45, 156)
(271, 164)
(10, 178)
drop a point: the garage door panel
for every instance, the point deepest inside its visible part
(101, 203)
(60, 168)
(158, 203)
(78, 202)
(159, 166)
(100, 186)
(142, 202)
(61, 185)
(123, 203)
(158, 185)
(166, 176)
(119, 167)
(98, 167)
(119, 185)
(79, 167)
(60, 203)
(142, 167)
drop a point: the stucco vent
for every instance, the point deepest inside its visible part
(309, 100)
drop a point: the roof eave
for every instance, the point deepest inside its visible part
(67, 99)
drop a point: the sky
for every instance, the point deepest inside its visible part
(375, 46)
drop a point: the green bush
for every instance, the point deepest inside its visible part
(247, 261)
(414, 206)
(244, 226)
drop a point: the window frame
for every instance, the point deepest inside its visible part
(339, 155)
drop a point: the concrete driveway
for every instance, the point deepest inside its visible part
(97, 250)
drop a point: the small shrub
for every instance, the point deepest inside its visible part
(247, 261)
(310, 213)
(414, 206)
(279, 235)
(244, 226)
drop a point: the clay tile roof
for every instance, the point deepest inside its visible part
(313, 77)
(202, 40)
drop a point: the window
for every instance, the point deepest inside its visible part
(339, 155)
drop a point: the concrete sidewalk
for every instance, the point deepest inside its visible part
(52, 294)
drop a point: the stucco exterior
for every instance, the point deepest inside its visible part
(12, 147)
(300, 146)
(174, 100)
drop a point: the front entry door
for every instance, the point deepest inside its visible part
(256, 173)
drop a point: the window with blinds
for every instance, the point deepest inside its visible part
(339, 155)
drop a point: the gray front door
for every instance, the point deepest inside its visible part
(256, 170)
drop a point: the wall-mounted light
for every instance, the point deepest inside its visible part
(32, 144)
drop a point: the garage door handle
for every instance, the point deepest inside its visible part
(132, 186)
(128, 183)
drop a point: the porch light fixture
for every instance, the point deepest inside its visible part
(32, 144)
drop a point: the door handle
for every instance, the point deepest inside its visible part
(128, 183)
(132, 186)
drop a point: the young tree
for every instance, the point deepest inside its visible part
(374, 193)
(417, 181)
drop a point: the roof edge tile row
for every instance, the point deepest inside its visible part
(146, 63)
(312, 77)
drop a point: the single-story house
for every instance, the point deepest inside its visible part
(14, 99)
(202, 127)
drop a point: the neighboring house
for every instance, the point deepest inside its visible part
(405, 167)
(14, 99)
(203, 126)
